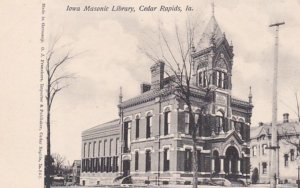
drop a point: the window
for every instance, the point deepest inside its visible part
(199, 160)
(221, 80)
(84, 146)
(127, 136)
(89, 149)
(200, 75)
(292, 154)
(148, 160)
(264, 149)
(286, 160)
(148, 126)
(166, 159)
(110, 146)
(254, 148)
(117, 143)
(264, 167)
(187, 122)
(220, 122)
(136, 160)
(94, 148)
(188, 160)
(167, 123)
(99, 148)
(137, 127)
(104, 147)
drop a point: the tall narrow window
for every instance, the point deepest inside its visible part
(188, 160)
(264, 166)
(136, 160)
(84, 146)
(292, 154)
(110, 146)
(137, 127)
(89, 149)
(200, 75)
(286, 160)
(264, 149)
(187, 122)
(167, 123)
(199, 160)
(148, 126)
(148, 160)
(166, 159)
(104, 147)
(254, 148)
(117, 145)
(204, 79)
(99, 148)
(127, 136)
(94, 148)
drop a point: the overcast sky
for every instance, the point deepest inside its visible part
(111, 58)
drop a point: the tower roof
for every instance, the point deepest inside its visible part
(212, 33)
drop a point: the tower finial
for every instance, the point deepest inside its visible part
(121, 95)
(250, 95)
(213, 7)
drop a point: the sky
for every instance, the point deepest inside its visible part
(109, 56)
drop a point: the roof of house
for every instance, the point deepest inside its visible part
(287, 128)
(103, 126)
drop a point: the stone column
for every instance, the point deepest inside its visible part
(212, 165)
(238, 166)
(222, 166)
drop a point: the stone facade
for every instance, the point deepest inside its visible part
(154, 130)
(286, 156)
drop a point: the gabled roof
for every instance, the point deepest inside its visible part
(212, 30)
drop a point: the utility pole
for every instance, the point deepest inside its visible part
(274, 144)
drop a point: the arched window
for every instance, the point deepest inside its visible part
(127, 136)
(167, 122)
(202, 78)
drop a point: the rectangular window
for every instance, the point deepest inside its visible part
(148, 126)
(127, 136)
(84, 146)
(200, 78)
(166, 159)
(94, 148)
(204, 79)
(264, 168)
(254, 150)
(148, 160)
(167, 123)
(136, 160)
(199, 160)
(188, 160)
(292, 154)
(104, 147)
(264, 149)
(286, 160)
(110, 146)
(187, 122)
(99, 148)
(117, 143)
(89, 149)
(137, 128)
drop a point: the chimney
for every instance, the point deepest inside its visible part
(145, 87)
(285, 117)
(157, 75)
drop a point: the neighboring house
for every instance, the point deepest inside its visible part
(76, 168)
(288, 131)
(151, 141)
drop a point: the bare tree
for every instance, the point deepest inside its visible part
(59, 162)
(55, 84)
(177, 54)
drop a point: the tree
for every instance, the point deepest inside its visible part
(54, 84)
(177, 53)
(59, 162)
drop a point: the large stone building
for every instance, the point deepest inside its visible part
(151, 141)
(288, 137)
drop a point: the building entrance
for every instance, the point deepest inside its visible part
(126, 167)
(232, 163)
